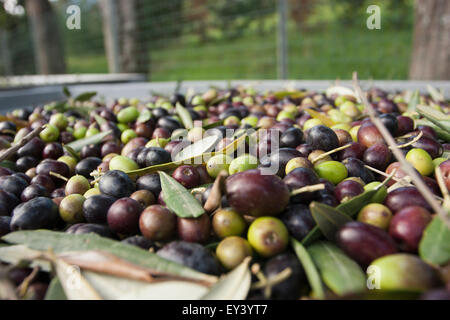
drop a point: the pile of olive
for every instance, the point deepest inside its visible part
(45, 186)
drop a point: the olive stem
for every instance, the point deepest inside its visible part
(13, 149)
(57, 175)
(312, 188)
(410, 142)
(280, 277)
(421, 186)
(442, 186)
(384, 174)
(324, 155)
(23, 288)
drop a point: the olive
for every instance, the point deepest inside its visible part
(77, 184)
(332, 171)
(194, 229)
(187, 176)
(298, 220)
(123, 216)
(116, 183)
(403, 197)
(378, 156)
(50, 133)
(90, 150)
(50, 165)
(356, 150)
(291, 138)
(7, 127)
(25, 163)
(71, 208)
(375, 214)
(58, 193)
(92, 192)
(86, 228)
(128, 115)
(204, 176)
(227, 222)
(38, 213)
(5, 223)
(95, 208)
(430, 145)
(122, 163)
(404, 125)
(52, 150)
(218, 163)
(390, 122)
(141, 242)
(348, 189)
(290, 287)
(33, 148)
(13, 184)
(404, 271)
(407, 226)
(144, 197)
(364, 242)
(421, 161)
(299, 162)
(8, 201)
(157, 155)
(243, 163)
(150, 182)
(71, 162)
(369, 135)
(231, 251)
(87, 165)
(59, 120)
(110, 147)
(299, 178)
(278, 160)
(157, 223)
(268, 236)
(45, 181)
(168, 123)
(253, 193)
(322, 138)
(33, 191)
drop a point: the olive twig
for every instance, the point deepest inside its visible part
(407, 144)
(442, 186)
(57, 175)
(273, 281)
(23, 288)
(13, 149)
(421, 186)
(326, 154)
(384, 174)
(312, 188)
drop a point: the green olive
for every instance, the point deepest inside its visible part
(218, 163)
(376, 214)
(92, 132)
(333, 171)
(122, 163)
(92, 192)
(70, 161)
(299, 162)
(243, 163)
(127, 135)
(285, 115)
(79, 133)
(231, 251)
(77, 184)
(311, 123)
(59, 120)
(227, 222)
(380, 195)
(71, 208)
(250, 120)
(50, 133)
(268, 236)
(231, 120)
(421, 160)
(128, 114)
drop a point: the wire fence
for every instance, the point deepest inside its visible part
(229, 39)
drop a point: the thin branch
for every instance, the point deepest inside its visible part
(406, 166)
(13, 149)
(324, 155)
(407, 144)
(312, 188)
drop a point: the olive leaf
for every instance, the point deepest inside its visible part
(202, 146)
(213, 125)
(61, 242)
(77, 145)
(435, 94)
(85, 96)
(185, 116)
(72, 152)
(341, 274)
(99, 119)
(18, 254)
(66, 92)
(144, 116)
(340, 91)
(233, 286)
(442, 134)
(328, 219)
(310, 269)
(323, 118)
(55, 291)
(414, 101)
(434, 246)
(178, 198)
(286, 93)
(115, 288)
(355, 204)
(436, 117)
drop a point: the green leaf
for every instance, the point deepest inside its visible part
(85, 96)
(66, 92)
(144, 116)
(355, 204)
(72, 152)
(340, 273)
(60, 242)
(18, 254)
(213, 125)
(200, 147)
(55, 291)
(442, 134)
(328, 219)
(435, 94)
(185, 116)
(178, 198)
(118, 288)
(414, 101)
(310, 269)
(99, 119)
(436, 117)
(77, 145)
(233, 286)
(434, 246)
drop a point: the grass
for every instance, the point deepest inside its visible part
(329, 54)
